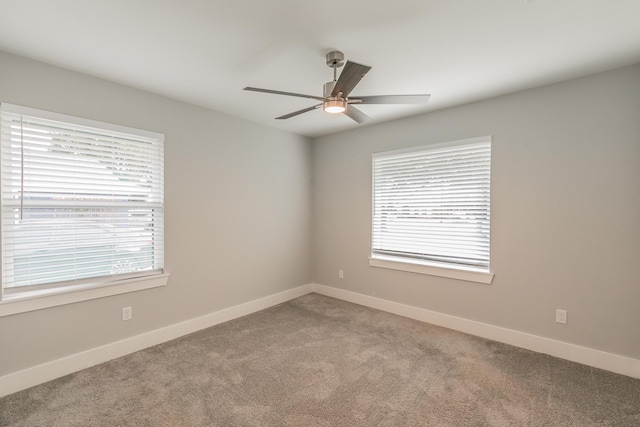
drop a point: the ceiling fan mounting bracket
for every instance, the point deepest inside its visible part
(335, 59)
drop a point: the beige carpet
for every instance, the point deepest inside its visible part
(317, 361)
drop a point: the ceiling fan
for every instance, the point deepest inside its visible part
(336, 93)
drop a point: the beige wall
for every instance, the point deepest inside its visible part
(565, 211)
(237, 213)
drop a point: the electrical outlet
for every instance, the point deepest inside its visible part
(340, 274)
(127, 313)
(561, 316)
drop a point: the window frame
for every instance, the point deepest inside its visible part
(36, 297)
(424, 266)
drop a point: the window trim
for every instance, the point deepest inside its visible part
(424, 266)
(12, 302)
(431, 269)
(62, 296)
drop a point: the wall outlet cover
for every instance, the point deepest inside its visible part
(561, 316)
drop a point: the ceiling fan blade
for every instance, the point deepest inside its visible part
(279, 92)
(356, 114)
(392, 99)
(349, 78)
(295, 113)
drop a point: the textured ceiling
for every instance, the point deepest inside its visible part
(205, 51)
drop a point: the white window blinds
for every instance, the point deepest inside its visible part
(80, 200)
(433, 204)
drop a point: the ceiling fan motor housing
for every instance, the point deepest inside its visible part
(328, 88)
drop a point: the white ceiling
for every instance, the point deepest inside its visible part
(205, 51)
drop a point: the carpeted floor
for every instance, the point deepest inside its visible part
(317, 361)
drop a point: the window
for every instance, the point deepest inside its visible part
(431, 209)
(82, 203)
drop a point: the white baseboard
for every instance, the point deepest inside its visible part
(30, 377)
(575, 353)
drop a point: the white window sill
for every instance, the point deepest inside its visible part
(25, 302)
(462, 273)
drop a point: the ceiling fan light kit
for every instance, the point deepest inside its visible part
(334, 106)
(335, 97)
